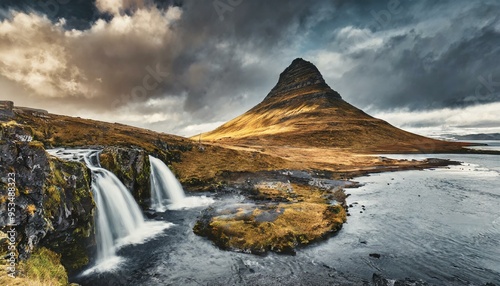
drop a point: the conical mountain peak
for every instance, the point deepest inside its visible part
(302, 111)
(301, 77)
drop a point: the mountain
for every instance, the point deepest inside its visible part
(479, 136)
(303, 111)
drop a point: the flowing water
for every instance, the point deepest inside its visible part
(119, 220)
(167, 192)
(441, 226)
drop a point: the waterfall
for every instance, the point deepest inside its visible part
(167, 192)
(119, 220)
(118, 215)
(164, 185)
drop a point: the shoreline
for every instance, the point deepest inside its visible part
(275, 196)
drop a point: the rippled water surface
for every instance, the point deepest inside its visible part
(441, 226)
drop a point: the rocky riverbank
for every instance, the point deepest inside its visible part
(283, 210)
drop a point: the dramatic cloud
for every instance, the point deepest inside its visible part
(186, 66)
(103, 63)
(422, 70)
(447, 120)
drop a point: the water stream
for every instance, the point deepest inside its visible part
(167, 192)
(440, 226)
(119, 220)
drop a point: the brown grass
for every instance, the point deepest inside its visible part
(307, 219)
(43, 268)
(321, 123)
(59, 130)
(214, 159)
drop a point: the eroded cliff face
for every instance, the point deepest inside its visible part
(54, 206)
(131, 166)
(53, 203)
(70, 208)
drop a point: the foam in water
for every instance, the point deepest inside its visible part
(167, 192)
(119, 220)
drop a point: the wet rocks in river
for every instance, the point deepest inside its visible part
(379, 280)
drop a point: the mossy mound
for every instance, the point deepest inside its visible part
(42, 268)
(302, 217)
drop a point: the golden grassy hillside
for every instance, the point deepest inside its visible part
(303, 111)
(59, 130)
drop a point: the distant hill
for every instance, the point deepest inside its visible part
(303, 111)
(479, 136)
(194, 164)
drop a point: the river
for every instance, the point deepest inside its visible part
(441, 226)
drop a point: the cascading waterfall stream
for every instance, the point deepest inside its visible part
(167, 192)
(164, 185)
(118, 215)
(119, 220)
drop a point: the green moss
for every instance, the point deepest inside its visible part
(107, 161)
(76, 197)
(52, 201)
(75, 257)
(44, 266)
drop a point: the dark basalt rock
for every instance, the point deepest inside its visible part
(375, 255)
(6, 110)
(69, 204)
(53, 204)
(131, 166)
(302, 74)
(379, 280)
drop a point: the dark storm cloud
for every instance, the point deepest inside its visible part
(255, 29)
(196, 58)
(454, 66)
(205, 61)
(79, 14)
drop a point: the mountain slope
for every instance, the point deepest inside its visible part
(196, 165)
(303, 111)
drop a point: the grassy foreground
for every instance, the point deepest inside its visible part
(43, 268)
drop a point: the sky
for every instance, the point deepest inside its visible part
(187, 66)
